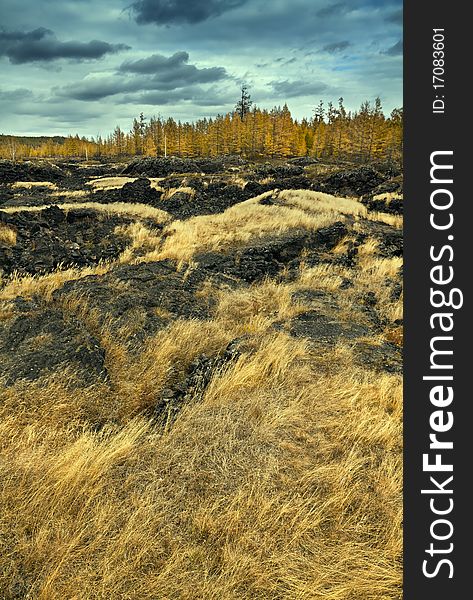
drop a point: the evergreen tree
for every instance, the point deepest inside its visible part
(243, 106)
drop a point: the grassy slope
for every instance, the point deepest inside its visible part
(282, 481)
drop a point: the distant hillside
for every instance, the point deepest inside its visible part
(33, 141)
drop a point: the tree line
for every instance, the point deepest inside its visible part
(332, 133)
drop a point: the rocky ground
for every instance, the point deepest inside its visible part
(205, 186)
(139, 289)
(59, 235)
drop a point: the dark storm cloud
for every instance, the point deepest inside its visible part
(24, 36)
(173, 69)
(155, 73)
(97, 89)
(290, 89)
(336, 46)
(395, 50)
(197, 95)
(155, 63)
(166, 12)
(17, 95)
(42, 45)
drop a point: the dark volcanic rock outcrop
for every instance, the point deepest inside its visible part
(355, 182)
(161, 167)
(390, 240)
(386, 197)
(269, 258)
(379, 357)
(213, 199)
(40, 340)
(132, 302)
(29, 171)
(279, 171)
(140, 191)
(6, 194)
(140, 299)
(53, 237)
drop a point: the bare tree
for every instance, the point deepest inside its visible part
(12, 148)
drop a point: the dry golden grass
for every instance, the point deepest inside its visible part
(296, 209)
(142, 211)
(250, 220)
(368, 250)
(324, 277)
(396, 221)
(169, 192)
(388, 196)
(114, 183)
(376, 274)
(8, 235)
(238, 180)
(34, 184)
(143, 240)
(282, 480)
(69, 193)
(109, 183)
(318, 202)
(45, 285)
(378, 270)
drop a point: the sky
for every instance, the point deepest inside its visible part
(85, 66)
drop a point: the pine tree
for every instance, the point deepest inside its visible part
(243, 105)
(341, 123)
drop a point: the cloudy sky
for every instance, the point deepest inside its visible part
(84, 66)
